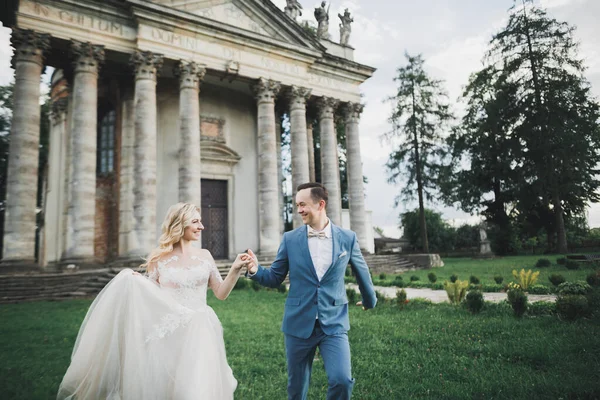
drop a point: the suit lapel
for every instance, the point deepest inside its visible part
(305, 252)
(335, 241)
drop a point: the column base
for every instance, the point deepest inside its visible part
(23, 266)
(78, 263)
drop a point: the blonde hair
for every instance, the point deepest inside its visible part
(179, 216)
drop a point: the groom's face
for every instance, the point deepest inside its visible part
(309, 209)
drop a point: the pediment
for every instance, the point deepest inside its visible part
(258, 17)
(219, 152)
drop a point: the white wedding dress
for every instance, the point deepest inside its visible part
(144, 340)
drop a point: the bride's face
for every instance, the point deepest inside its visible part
(192, 231)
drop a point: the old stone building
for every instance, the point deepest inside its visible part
(155, 102)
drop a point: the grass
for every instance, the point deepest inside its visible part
(486, 269)
(423, 351)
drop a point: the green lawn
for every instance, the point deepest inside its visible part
(423, 351)
(486, 269)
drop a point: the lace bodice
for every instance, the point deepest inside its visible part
(187, 280)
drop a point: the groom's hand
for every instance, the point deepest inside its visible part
(252, 264)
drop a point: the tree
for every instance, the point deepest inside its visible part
(441, 235)
(420, 114)
(557, 116)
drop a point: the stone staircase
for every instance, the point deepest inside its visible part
(17, 288)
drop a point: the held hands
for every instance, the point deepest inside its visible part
(252, 264)
(239, 262)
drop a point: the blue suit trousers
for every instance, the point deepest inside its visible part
(335, 351)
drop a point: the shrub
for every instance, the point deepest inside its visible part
(556, 279)
(348, 271)
(241, 283)
(517, 299)
(437, 286)
(542, 308)
(401, 298)
(561, 261)
(256, 286)
(432, 277)
(414, 278)
(398, 281)
(578, 287)
(543, 263)
(382, 276)
(474, 280)
(526, 279)
(381, 299)
(572, 306)
(539, 289)
(498, 279)
(456, 290)
(453, 278)
(282, 288)
(572, 264)
(491, 288)
(351, 295)
(474, 301)
(349, 279)
(593, 279)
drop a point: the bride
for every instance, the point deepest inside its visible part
(154, 337)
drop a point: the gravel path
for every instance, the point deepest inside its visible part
(440, 296)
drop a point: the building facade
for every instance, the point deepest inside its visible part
(155, 102)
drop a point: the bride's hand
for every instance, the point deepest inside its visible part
(240, 261)
(253, 262)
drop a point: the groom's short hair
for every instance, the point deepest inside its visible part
(318, 192)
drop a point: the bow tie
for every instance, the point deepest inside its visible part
(319, 235)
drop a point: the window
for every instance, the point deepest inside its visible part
(106, 144)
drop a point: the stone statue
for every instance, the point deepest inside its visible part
(293, 9)
(485, 250)
(345, 28)
(482, 233)
(322, 16)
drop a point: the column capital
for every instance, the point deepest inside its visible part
(87, 56)
(265, 90)
(58, 110)
(298, 96)
(29, 45)
(326, 106)
(352, 111)
(190, 74)
(146, 64)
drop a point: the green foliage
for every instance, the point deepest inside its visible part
(561, 260)
(526, 279)
(453, 278)
(382, 276)
(351, 295)
(456, 290)
(348, 271)
(593, 278)
(256, 286)
(474, 280)
(432, 277)
(401, 298)
(572, 264)
(474, 301)
(242, 283)
(420, 115)
(398, 281)
(440, 235)
(543, 263)
(414, 278)
(538, 289)
(572, 306)
(517, 299)
(282, 288)
(556, 279)
(498, 279)
(576, 288)
(381, 299)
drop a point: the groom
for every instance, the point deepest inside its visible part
(316, 309)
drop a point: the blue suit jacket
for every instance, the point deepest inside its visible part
(308, 297)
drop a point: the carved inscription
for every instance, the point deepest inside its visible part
(77, 19)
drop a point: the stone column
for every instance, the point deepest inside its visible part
(190, 75)
(22, 177)
(146, 65)
(127, 237)
(298, 142)
(311, 151)
(330, 169)
(279, 169)
(57, 169)
(356, 192)
(265, 91)
(83, 127)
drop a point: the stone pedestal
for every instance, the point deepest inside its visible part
(356, 192)
(190, 75)
(299, 143)
(269, 238)
(83, 125)
(330, 168)
(22, 177)
(146, 65)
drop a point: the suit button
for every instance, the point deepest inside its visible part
(318, 286)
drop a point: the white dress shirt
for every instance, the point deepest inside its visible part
(321, 250)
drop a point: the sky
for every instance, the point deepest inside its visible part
(452, 36)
